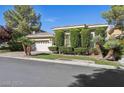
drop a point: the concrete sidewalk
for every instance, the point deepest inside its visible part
(18, 54)
(21, 55)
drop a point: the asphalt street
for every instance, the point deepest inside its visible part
(24, 73)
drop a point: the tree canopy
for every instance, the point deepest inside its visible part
(115, 15)
(5, 34)
(22, 20)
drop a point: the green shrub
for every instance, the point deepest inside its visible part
(118, 53)
(59, 38)
(15, 46)
(61, 49)
(112, 44)
(85, 38)
(80, 50)
(53, 49)
(75, 38)
(100, 31)
(4, 48)
(66, 50)
(26, 41)
(94, 51)
(98, 40)
(116, 46)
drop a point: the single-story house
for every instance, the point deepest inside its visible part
(66, 29)
(42, 41)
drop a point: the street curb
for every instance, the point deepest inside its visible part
(66, 62)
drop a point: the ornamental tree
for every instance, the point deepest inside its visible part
(112, 46)
(5, 34)
(59, 38)
(26, 43)
(23, 20)
(98, 40)
(115, 15)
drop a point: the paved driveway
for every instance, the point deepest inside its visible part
(17, 72)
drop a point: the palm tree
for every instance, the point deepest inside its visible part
(26, 43)
(98, 43)
(111, 45)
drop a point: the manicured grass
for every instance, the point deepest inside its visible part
(71, 57)
(3, 51)
(60, 56)
(106, 62)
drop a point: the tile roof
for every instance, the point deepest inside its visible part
(40, 34)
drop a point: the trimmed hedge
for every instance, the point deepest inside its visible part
(75, 38)
(101, 31)
(66, 50)
(59, 38)
(80, 50)
(85, 38)
(53, 49)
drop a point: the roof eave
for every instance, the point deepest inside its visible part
(78, 26)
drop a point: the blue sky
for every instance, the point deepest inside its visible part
(61, 15)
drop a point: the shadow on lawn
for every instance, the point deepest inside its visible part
(104, 78)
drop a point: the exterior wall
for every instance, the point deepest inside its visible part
(67, 40)
(92, 44)
(66, 29)
(42, 44)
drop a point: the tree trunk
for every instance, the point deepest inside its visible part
(29, 50)
(110, 55)
(25, 49)
(99, 50)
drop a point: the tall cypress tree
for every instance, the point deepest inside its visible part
(85, 38)
(75, 38)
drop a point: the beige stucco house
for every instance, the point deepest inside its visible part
(42, 40)
(67, 33)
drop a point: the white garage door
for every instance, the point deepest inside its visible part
(43, 45)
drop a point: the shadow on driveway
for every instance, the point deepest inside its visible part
(103, 78)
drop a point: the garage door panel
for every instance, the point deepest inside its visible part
(43, 46)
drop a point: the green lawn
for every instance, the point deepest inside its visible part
(3, 51)
(71, 57)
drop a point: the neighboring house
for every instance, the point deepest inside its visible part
(67, 33)
(42, 40)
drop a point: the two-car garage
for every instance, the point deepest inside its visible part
(43, 40)
(43, 45)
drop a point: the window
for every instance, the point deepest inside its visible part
(67, 39)
(92, 43)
